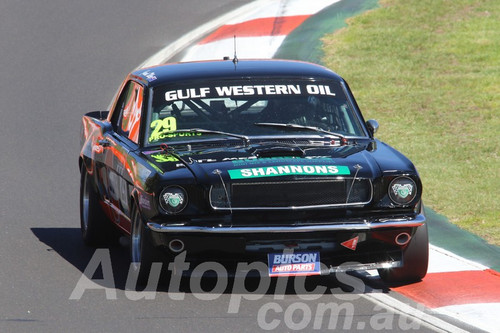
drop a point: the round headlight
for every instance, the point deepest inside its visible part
(402, 190)
(173, 199)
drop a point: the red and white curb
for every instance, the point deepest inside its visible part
(459, 288)
(260, 28)
(259, 32)
(454, 286)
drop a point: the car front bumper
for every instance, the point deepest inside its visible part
(359, 226)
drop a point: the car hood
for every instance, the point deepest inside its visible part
(207, 164)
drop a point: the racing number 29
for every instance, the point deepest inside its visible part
(162, 126)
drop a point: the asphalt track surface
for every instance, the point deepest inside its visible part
(58, 60)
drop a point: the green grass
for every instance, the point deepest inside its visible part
(429, 72)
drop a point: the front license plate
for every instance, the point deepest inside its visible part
(294, 264)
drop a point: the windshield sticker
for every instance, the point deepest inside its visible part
(248, 90)
(174, 135)
(161, 127)
(287, 170)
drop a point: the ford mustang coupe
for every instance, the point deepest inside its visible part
(265, 161)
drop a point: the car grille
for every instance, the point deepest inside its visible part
(296, 193)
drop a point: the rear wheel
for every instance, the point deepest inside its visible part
(415, 260)
(95, 227)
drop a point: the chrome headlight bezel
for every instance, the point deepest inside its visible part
(173, 199)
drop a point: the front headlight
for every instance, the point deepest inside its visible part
(173, 199)
(402, 191)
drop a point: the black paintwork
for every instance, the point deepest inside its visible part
(200, 71)
(128, 174)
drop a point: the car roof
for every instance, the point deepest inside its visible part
(227, 69)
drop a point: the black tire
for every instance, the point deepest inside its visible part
(142, 252)
(95, 226)
(415, 260)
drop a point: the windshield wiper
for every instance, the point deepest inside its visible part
(295, 127)
(206, 131)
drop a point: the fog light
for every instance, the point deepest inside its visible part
(173, 199)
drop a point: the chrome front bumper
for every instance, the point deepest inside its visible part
(361, 226)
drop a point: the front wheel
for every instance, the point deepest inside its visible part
(415, 260)
(142, 252)
(95, 227)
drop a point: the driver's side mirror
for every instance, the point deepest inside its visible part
(372, 126)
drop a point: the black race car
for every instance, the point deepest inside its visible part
(250, 160)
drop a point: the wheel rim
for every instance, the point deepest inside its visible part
(136, 239)
(85, 204)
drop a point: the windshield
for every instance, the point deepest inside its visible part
(195, 111)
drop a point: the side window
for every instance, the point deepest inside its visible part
(127, 114)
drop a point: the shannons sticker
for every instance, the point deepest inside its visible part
(287, 170)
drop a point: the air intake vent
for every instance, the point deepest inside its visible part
(296, 193)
